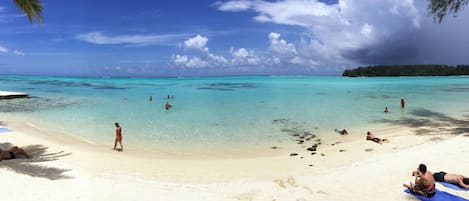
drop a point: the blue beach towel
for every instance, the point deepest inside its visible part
(453, 186)
(3, 130)
(439, 196)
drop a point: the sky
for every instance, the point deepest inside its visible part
(146, 38)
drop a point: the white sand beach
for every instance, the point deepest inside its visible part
(63, 168)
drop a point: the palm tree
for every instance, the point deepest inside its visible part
(440, 8)
(32, 8)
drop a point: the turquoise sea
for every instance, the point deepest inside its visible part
(215, 112)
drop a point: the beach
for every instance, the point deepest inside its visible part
(72, 169)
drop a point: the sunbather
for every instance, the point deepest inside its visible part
(424, 182)
(12, 153)
(457, 179)
(342, 132)
(370, 136)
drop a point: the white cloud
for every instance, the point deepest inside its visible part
(336, 32)
(233, 5)
(3, 49)
(197, 42)
(281, 47)
(17, 52)
(101, 39)
(243, 57)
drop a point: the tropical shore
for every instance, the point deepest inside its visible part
(67, 168)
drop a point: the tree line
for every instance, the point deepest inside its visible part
(407, 70)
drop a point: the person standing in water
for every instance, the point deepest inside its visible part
(118, 137)
(402, 103)
(151, 98)
(167, 106)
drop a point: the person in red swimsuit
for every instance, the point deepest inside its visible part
(402, 103)
(118, 137)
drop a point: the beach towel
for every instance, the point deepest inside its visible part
(453, 186)
(439, 196)
(3, 130)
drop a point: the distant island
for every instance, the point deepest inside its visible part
(407, 70)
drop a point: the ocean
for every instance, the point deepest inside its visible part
(216, 112)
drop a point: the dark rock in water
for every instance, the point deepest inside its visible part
(317, 140)
(332, 144)
(295, 135)
(307, 133)
(308, 139)
(274, 147)
(311, 149)
(323, 154)
(302, 137)
(342, 150)
(368, 150)
(301, 157)
(301, 142)
(313, 153)
(310, 165)
(315, 145)
(313, 136)
(293, 154)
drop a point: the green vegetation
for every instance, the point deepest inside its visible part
(407, 70)
(440, 8)
(32, 9)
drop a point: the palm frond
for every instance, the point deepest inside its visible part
(32, 8)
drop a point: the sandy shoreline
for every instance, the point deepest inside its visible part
(77, 170)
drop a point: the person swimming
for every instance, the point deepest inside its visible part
(342, 132)
(167, 106)
(386, 110)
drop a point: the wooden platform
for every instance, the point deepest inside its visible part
(11, 95)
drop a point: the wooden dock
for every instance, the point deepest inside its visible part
(11, 95)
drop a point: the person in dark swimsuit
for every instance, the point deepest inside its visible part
(371, 137)
(424, 182)
(12, 153)
(457, 179)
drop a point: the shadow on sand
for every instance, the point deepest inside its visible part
(427, 122)
(30, 166)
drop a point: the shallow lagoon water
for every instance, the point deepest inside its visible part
(223, 111)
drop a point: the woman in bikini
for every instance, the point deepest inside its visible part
(118, 137)
(12, 153)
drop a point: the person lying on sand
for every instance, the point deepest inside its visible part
(12, 153)
(457, 179)
(371, 137)
(424, 182)
(342, 132)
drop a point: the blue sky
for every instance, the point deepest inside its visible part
(238, 37)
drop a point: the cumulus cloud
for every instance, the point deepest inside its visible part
(101, 39)
(280, 53)
(346, 33)
(197, 42)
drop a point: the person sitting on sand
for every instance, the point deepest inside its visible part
(371, 137)
(12, 153)
(386, 110)
(342, 132)
(457, 179)
(424, 182)
(167, 106)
